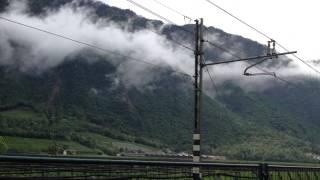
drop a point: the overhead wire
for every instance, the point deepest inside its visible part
(214, 85)
(185, 16)
(172, 40)
(223, 49)
(116, 53)
(158, 15)
(205, 40)
(230, 53)
(150, 11)
(119, 54)
(246, 73)
(249, 97)
(75, 41)
(300, 59)
(173, 10)
(261, 33)
(85, 43)
(164, 19)
(217, 46)
(240, 20)
(280, 79)
(257, 67)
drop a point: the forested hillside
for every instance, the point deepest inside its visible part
(88, 102)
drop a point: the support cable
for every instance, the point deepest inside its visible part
(85, 44)
(172, 40)
(159, 16)
(257, 67)
(219, 47)
(165, 19)
(173, 10)
(261, 33)
(214, 85)
(150, 11)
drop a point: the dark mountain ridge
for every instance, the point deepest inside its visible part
(80, 97)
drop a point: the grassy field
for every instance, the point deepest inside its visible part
(40, 146)
(107, 142)
(34, 145)
(23, 120)
(21, 114)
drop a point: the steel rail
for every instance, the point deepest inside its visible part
(69, 160)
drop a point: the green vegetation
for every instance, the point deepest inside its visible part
(77, 104)
(104, 145)
(86, 105)
(41, 146)
(3, 145)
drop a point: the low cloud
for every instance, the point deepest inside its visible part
(29, 49)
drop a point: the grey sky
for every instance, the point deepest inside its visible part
(292, 23)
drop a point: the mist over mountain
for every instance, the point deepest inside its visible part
(53, 88)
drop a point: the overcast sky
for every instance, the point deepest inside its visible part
(293, 23)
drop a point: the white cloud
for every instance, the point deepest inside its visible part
(37, 50)
(291, 22)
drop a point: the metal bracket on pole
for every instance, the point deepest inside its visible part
(258, 74)
(199, 65)
(250, 58)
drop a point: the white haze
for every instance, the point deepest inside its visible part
(39, 51)
(42, 51)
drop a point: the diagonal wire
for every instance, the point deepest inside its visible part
(215, 45)
(300, 59)
(173, 10)
(261, 33)
(84, 43)
(158, 15)
(240, 20)
(212, 80)
(161, 17)
(257, 67)
(150, 11)
(172, 40)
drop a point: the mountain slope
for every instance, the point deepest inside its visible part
(84, 99)
(79, 91)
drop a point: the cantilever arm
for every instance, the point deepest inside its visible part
(249, 58)
(258, 74)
